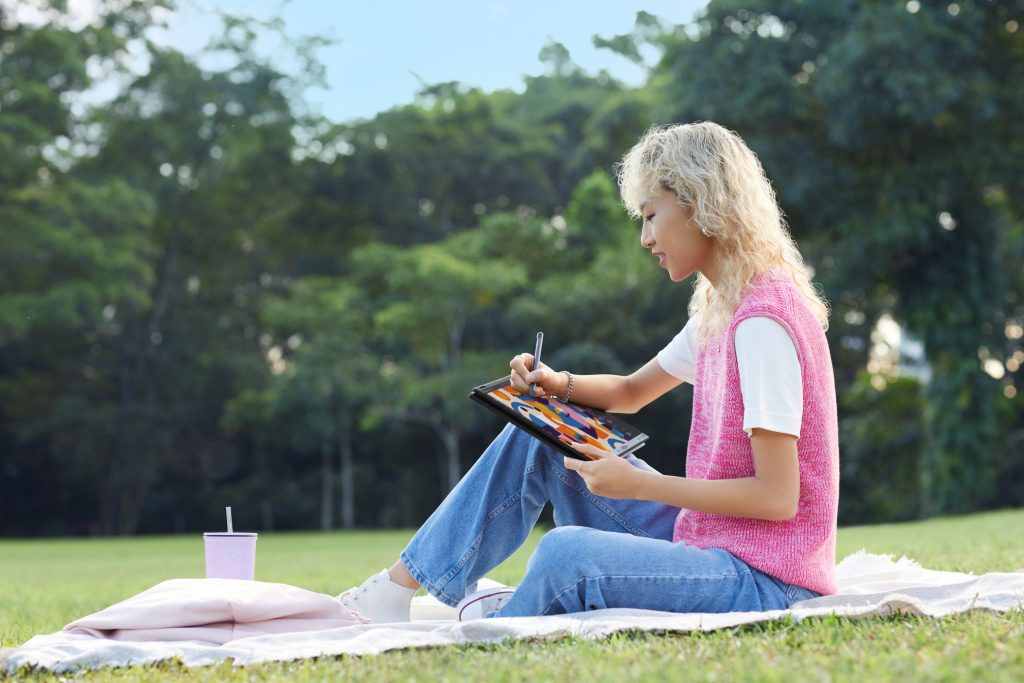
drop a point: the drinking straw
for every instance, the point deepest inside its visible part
(227, 511)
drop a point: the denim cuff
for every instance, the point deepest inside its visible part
(422, 580)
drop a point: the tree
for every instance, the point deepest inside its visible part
(433, 292)
(323, 377)
(122, 243)
(75, 250)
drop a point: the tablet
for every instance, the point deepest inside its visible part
(558, 423)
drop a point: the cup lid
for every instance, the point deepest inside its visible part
(225, 533)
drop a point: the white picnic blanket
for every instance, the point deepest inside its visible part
(868, 585)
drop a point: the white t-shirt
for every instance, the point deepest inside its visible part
(770, 378)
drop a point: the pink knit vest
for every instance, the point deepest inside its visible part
(800, 550)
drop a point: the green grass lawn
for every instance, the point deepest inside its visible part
(45, 584)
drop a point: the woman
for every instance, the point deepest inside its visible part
(752, 525)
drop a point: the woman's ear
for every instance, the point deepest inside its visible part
(703, 229)
(689, 210)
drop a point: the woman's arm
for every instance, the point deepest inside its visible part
(771, 494)
(614, 393)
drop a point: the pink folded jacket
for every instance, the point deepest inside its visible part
(215, 610)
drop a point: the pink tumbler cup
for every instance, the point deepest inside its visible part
(230, 555)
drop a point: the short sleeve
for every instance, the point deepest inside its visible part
(770, 378)
(679, 357)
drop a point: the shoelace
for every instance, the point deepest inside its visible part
(353, 593)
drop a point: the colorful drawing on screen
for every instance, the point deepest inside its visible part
(563, 421)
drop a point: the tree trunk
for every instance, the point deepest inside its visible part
(108, 498)
(455, 330)
(132, 499)
(267, 514)
(450, 470)
(447, 207)
(451, 447)
(326, 489)
(348, 491)
(132, 463)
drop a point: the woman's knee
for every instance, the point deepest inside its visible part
(514, 444)
(562, 549)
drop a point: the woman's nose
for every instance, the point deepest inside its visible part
(646, 238)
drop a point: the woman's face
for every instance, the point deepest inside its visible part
(674, 239)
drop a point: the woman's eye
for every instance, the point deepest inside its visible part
(648, 218)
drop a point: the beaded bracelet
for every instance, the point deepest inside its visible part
(568, 392)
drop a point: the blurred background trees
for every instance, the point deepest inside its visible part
(210, 296)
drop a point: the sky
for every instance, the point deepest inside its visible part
(386, 50)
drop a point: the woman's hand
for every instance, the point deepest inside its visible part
(549, 382)
(606, 474)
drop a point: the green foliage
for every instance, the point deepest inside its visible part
(71, 250)
(208, 293)
(882, 435)
(431, 294)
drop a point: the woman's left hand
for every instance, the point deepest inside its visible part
(606, 474)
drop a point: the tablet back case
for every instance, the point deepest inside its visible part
(556, 422)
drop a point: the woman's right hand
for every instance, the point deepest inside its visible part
(549, 382)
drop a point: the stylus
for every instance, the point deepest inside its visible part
(536, 358)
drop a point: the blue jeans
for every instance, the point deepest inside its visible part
(602, 553)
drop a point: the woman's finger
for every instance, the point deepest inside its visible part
(518, 370)
(590, 451)
(600, 453)
(536, 376)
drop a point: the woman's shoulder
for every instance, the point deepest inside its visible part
(771, 291)
(776, 296)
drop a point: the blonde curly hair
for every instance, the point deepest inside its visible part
(711, 169)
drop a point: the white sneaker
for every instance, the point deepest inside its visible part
(379, 599)
(477, 604)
